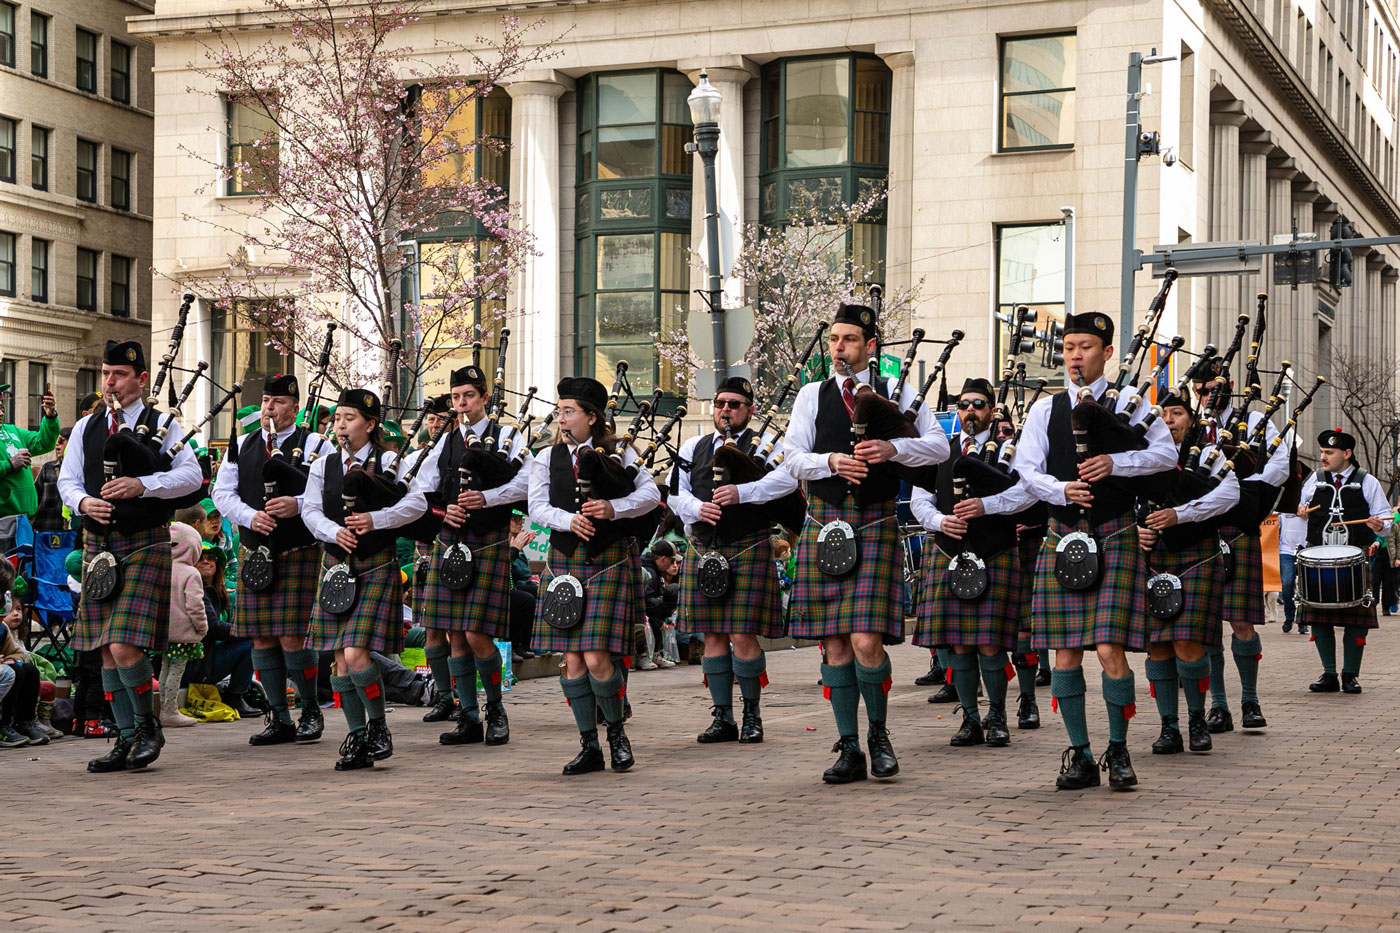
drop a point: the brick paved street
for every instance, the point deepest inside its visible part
(1294, 828)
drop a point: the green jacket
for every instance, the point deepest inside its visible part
(18, 495)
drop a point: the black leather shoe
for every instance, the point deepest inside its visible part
(751, 726)
(945, 694)
(354, 753)
(1327, 683)
(1077, 770)
(590, 756)
(1027, 713)
(850, 766)
(935, 675)
(468, 731)
(1251, 716)
(883, 764)
(1169, 742)
(442, 710)
(720, 728)
(620, 748)
(497, 725)
(240, 704)
(1118, 765)
(114, 760)
(311, 724)
(275, 732)
(1350, 684)
(970, 734)
(1042, 676)
(1200, 733)
(1219, 720)
(994, 730)
(145, 748)
(381, 743)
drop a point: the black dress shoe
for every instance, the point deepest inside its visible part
(945, 694)
(935, 675)
(1027, 713)
(995, 732)
(1327, 683)
(381, 743)
(1350, 684)
(240, 704)
(1042, 676)
(590, 756)
(850, 766)
(1169, 742)
(497, 725)
(1219, 720)
(1077, 770)
(145, 748)
(442, 710)
(883, 764)
(1251, 716)
(354, 753)
(1200, 732)
(275, 732)
(620, 749)
(970, 734)
(751, 726)
(1118, 765)
(114, 760)
(720, 728)
(311, 724)
(468, 731)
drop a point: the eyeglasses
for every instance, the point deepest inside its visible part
(976, 404)
(730, 403)
(565, 412)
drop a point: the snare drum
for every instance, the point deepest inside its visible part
(1331, 576)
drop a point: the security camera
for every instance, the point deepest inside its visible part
(1169, 157)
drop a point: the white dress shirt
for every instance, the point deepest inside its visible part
(1370, 488)
(1224, 497)
(225, 491)
(517, 490)
(924, 504)
(776, 484)
(397, 515)
(645, 497)
(183, 477)
(1273, 471)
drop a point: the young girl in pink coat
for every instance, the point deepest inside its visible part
(188, 623)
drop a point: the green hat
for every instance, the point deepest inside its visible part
(321, 411)
(4, 387)
(212, 550)
(73, 564)
(208, 506)
(249, 416)
(393, 431)
(20, 588)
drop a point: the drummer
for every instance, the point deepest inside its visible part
(1343, 505)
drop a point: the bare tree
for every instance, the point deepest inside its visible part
(1366, 392)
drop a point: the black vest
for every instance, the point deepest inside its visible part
(334, 506)
(736, 521)
(563, 494)
(1112, 498)
(129, 515)
(481, 521)
(986, 536)
(833, 435)
(252, 454)
(1354, 508)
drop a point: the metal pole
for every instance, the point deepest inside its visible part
(707, 144)
(1130, 177)
(1069, 259)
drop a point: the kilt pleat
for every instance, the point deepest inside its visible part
(613, 601)
(754, 603)
(1244, 594)
(1202, 572)
(1111, 613)
(376, 620)
(483, 607)
(284, 608)
(1362, 616)
(139, 613)
(871, 598)
(946, 621)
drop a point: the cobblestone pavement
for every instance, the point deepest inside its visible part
(1295, 827)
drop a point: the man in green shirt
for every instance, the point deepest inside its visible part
(17, 448)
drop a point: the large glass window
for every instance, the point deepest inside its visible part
(240, 353)
(7, 264)
(85, 384)
(121, 286)
(87, 61)
(87, 279)
(252, 144)
(39, 44)
(87, 170)
(121, 73)
(38, 384)
(8, 133)
(1030, 271)
(121, 179)
(633, 222)
(440, 264)
(486, 119)
(39, 270)
(1037, 92)
(39, 158)
(7, 34)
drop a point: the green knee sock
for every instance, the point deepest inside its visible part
(350, 703)
(437, 656)
(750, 674)
(120, 700)
(609, 694)
(839, 682)
(1247, 663)
(371, 690)
(1067, 688)
(994, 679)
(272, 674)
(1325, 638)
(1353, 647)
(1162, 676)
(1120, 695)
(137, 681)
(464, 682)
(579, 694)
(964, 668)
(1191, 674)
(1216, 655)
(490, 670)
(1026, 666)
(942, 655)
(302, 667)
(719, 677)
(874, 685)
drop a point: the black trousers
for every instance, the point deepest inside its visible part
(522, 619)
(22, 700)
(88, 696)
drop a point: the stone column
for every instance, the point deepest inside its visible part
(899, 208)
(1223, 294)
(1254, 201)
(534, 308)
(1281, 339)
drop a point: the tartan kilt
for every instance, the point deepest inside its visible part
(139, 613)
(1201, 594)
(871, 599)
(613, 600)
(946, 621)
(1028, 550)
(285, 607)
(1111, 613)
(376, 620)
(1359, 616)
(1244, 594)
(754, 603)
(483, 607)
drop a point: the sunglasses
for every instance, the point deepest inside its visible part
(732, 404)
(976, 404)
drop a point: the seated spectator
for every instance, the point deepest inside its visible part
(524, 590)
(661, 569)
(224, 655)
(19, 678)
(217, 531)
(188, 622)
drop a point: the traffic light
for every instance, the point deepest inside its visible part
(1339, 272)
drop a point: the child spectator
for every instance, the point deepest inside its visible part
(224, 654)
(19, 679)
(188, 623)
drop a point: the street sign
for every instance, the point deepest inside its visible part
(889, 365)
(738, 334)
(1185, 263)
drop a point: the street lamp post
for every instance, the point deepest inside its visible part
(704, 103)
